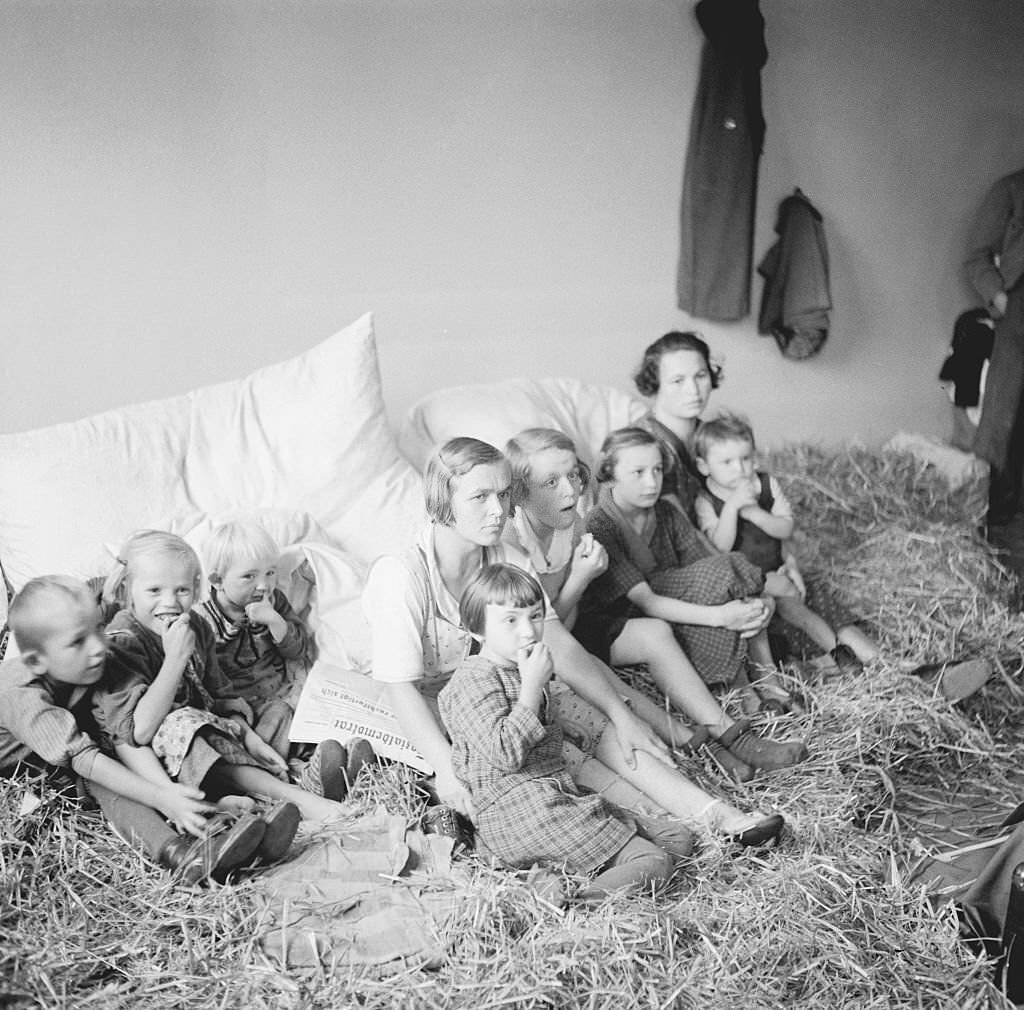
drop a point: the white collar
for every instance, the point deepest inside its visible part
(559, 553)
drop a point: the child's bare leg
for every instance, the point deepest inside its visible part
(760, 651)
(670, 788)
(256, 782)
(273, 723)
(864, 648)
(749, 699)
(794, 611)
(763, 675)
(669, 728)
(237, 805)
(656, 823)
(649, 640)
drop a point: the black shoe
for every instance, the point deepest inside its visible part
(447, 821)
(281, 822)
(325, 774)
(846, 659)
(360, 754)
(760, 752)
(219, 851)
(762, 833)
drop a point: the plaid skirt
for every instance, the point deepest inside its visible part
(717, 653)
(546, 820)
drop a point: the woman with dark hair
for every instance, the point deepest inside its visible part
(677, 375)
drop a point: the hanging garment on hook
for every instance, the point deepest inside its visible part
(720, 180)
(796, 300)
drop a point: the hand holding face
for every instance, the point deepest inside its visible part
(179, 640)
(260, 611)
(744, 495)
(535, 665)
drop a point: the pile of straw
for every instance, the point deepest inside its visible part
(829, 919)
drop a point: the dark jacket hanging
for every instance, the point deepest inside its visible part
(796, 299)
(720, 181)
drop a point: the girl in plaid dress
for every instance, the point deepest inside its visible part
(508, 753)
(660, 566)
(548, 480)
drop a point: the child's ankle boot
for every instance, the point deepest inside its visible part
(730, 765)
(280, 824)
(220, 850)
(325, 774)
(360, 754)
(757, 751)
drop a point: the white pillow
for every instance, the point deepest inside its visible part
(496, 411)
(335, 613)
(67, 489)
(310, 433)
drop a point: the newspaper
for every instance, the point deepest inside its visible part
(341, 704)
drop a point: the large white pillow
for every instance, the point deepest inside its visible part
(496, 411)
(310, 433)
(68, 489)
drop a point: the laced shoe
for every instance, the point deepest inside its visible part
(758, 751)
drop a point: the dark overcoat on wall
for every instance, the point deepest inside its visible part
(720, 182)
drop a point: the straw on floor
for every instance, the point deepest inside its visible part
(829, 919)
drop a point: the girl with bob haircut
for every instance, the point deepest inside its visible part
(508, 753)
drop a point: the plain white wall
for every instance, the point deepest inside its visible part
(194, 188)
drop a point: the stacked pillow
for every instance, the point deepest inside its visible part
(496, 411)
(305, 444)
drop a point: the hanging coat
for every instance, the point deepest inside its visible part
(796, 299)
(720, 181)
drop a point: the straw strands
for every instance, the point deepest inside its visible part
(829, 919)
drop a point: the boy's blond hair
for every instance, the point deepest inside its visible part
(724, 428)
(238, 542)
(31, 607)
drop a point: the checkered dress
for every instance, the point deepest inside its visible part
(528, 809)
(687, 570)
